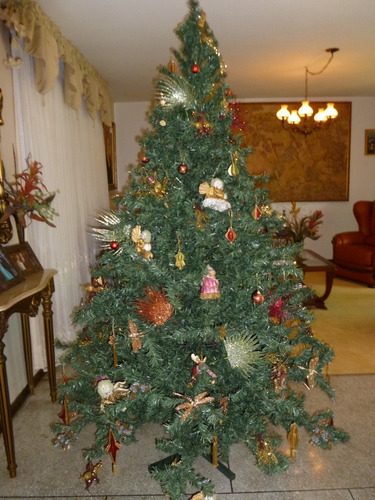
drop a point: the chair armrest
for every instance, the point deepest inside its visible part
(348, 238)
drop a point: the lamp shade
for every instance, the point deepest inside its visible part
(294, 118)
(283, 113)
(330, 111)
(305, 109)
(320, 116)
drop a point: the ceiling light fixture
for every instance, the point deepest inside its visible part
(302, 121)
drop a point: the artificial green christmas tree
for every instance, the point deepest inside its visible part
(195, 317)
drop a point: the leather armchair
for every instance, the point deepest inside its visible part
(354, 251)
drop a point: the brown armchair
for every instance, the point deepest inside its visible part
(354, 251)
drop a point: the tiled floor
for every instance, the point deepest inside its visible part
(344, 473)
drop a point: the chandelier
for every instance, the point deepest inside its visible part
(302, 121)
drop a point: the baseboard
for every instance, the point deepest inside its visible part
(22, 396)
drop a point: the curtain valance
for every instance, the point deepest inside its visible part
(44, 41)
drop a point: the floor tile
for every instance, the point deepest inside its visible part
(363, 493)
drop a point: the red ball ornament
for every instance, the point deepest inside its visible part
(114, 245)
(195, 68)
(145, 159)
(258, 297)
(183, 169)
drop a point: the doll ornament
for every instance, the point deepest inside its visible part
(210, 285)
(215, 196)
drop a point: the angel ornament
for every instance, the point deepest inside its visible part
(142, 242)
(215, 197)
(109, 392)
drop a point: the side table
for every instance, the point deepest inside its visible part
(25, 298)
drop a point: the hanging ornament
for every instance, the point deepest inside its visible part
(223, 332)
(201, 216)
(214, 454)
(152, 187)
(135, 336)
(180, 257)
(114, 245)
(155, 309)
(65, 439)
(163, 123)
(243, 352)
(320, 434)
(210, 285)
(202, 125)
(110, 393)
(91, 473)
(256, 213)
(279, 376)
(191, 404)
(142, 241)
(112, 342)
(144, 159)
(172, 66)
(215, 196)
(257, 297)
(265, 455)
(224, 404)
(111, 448)
(293, 440)
(199, 367)
(310, 379)
(231, 234)
(195, 68)
(266, 210)
(233, 170)
(65, 414)
(174, 90)
(183, 169)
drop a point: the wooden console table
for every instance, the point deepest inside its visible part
(312, 263)
(25, 298)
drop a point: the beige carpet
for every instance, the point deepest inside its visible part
(348, 324)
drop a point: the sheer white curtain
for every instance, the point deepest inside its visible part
(70, 146)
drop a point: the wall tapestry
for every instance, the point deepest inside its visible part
(301, 168)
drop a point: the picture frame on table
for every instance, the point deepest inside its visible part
(22, 258)
(370, 142)
(9, 274)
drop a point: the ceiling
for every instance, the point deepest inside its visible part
(266, 44)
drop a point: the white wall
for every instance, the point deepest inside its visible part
(338, 216)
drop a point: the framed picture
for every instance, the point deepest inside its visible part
(110, 155)
(300, 168)
(22, 258)
(369, 142)
(9, 275)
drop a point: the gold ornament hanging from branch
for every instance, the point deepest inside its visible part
(180, 257)
(135, 336)
(155, 308)
(142, 242)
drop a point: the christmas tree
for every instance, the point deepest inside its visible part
(195, 317)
